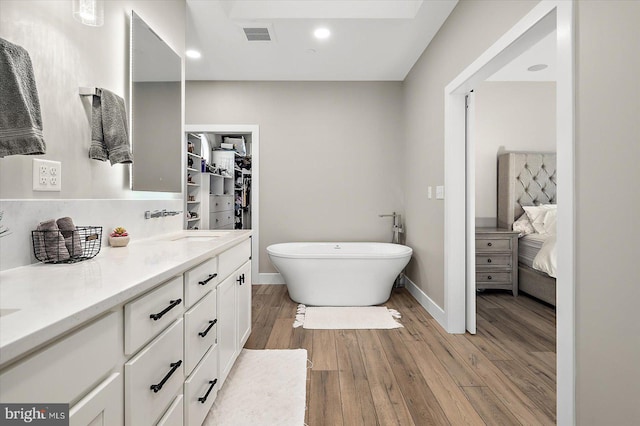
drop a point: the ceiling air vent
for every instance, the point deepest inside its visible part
(257, 34)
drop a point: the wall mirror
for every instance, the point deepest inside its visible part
(156, 111)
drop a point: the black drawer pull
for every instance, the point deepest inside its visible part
(489, 277)
(488, 260)
(174, 366)
(173, 304)
(211, 324)
(213, 382)
(211, 276)
(240, 279)
(489, 244)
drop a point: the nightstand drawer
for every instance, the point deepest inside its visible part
(493, 260)
(493, 277)
(493, 244)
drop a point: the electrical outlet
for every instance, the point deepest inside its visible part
(47, 175)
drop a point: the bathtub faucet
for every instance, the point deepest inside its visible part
(397, 226)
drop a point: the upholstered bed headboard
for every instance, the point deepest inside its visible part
(524, 179)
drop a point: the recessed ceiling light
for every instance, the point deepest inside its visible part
(322, 33)
(193, 54)
(538, 67)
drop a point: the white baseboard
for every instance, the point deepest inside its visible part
(425, 301)
(270, 278)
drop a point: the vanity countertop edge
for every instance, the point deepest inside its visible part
(41, 302)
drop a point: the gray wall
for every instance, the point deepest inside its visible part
(65, 55)
(509, 116)
(607, 205)
(607, 200)
(329, 154)
(471, 28)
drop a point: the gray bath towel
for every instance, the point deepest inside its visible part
(20, 120)
(54, 245)
(109, 130)
(71, 236)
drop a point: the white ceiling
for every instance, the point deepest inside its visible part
(371, 40)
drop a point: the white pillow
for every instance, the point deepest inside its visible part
(523, 226)
(549, 221)
(536, 215)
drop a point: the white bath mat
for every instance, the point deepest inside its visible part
(346, 317)
(264, 387)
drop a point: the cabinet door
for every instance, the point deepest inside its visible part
(227, 326)
(243, 282)
(102, 406)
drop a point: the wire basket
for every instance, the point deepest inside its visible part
(67, 246)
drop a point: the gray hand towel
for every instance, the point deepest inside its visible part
(20, 120)
(71, 236)
(109, 129)
(98, 149)
(54, 245)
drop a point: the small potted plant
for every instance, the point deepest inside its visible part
(119, 237)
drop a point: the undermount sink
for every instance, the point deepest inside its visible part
(208, 236)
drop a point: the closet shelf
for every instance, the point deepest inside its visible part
(192, 169)
(194, 155)
(193, 220)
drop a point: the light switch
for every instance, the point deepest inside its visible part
(440, 192)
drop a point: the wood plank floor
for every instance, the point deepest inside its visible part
(419, 374)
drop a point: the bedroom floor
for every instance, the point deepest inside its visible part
(419, 374)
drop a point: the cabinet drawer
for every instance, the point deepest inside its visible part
(175, 413)
(493, 260)
(199, 281)
(219, 219)
(159, 363)
(493, 277)
(233, 258)
(220, 203)
(68, 368)
(139, 327)
(201, 388)
(102, 406)
(493, 244)
(200, 330)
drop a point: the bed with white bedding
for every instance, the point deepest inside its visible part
(527, 203)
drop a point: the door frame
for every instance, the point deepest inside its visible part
(254, 129)
(542, 19)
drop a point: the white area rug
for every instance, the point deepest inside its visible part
(346, 318)
(264, 387)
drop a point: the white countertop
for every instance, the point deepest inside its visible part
(42, 301)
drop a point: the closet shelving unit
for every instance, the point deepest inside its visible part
(221, 197)
(193, 179)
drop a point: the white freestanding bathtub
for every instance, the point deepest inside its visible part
(339, 274)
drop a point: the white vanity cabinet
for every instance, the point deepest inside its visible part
(152, 355)
(80, 369)
(200, 342)
(234, 305)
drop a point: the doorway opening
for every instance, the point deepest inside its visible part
(460, 223)
(222, 180)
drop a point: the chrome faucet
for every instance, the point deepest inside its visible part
(160, 213)
(397, 226)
